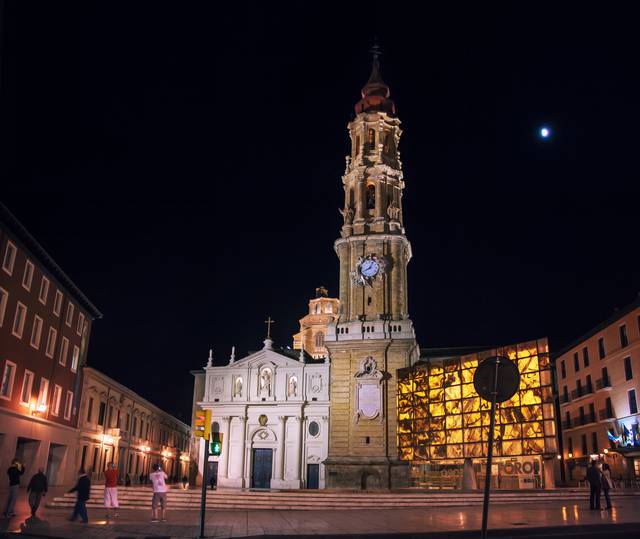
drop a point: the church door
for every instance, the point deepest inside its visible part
(313, 475)
(261, 476)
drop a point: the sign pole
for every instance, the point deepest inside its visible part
(203, 499)
(487, 479)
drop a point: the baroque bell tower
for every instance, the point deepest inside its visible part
(373, 335)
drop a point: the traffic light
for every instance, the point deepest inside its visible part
(216, 443)
(202, 424)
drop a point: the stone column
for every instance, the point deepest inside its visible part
(379, 199)
(226, 421)
(244, 474)
(298, 446)
(281, 447)
(361, 206)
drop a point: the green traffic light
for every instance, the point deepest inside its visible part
(216, 449)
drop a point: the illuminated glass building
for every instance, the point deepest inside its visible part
(443, 425)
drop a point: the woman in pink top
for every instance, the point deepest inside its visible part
(158, 478)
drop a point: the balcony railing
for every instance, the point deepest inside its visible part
(564, 399)
(581, 392)
(602, 383)
(579, 421)
(606, 414)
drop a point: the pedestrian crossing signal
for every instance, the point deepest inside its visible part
(216, 444)
(202, 424)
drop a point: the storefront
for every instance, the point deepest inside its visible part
(443, 423)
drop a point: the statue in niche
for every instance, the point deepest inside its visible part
(265, 383)
(393, 211)
(347, 214)
(293, 386)
(237, 387)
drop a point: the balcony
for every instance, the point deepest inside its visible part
(603, 383)
(579, 421)
(581, 392)
(564, 399)
(606, 414)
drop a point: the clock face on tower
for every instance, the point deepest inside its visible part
(367, 269)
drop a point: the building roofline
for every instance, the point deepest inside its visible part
(617, 315)
(140, 398)
(45, 258)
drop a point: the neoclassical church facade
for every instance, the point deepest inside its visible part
(272, 408)
(291, 419)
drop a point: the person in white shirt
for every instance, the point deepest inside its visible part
(158, 478)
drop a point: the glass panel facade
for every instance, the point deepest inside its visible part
(442, 420)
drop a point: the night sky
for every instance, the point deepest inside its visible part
(182, 163)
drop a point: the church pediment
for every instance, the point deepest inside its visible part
(267, 357)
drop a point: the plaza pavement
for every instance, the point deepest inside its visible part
(521, 519)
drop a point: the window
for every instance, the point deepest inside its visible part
(68, 319)
(51, 342)
(127, 421)
(75, 358)
(570, 444)
(57, 397)
(36, 332)
(628, 371)
(101, 413)
(94, 464)
(567, 418)
(371, 197)
(579, 387)
(592, 412)
(565, 394)
(27, 278)
(608, 408)
(582, 421)
(43, 394)
(44, 290)
(57, 303)
(585, 449)
(563, 369)
(90, 410)
(314, 428)
(19, 320)
(605, 377)
(80, 325)
(7, 380)
(601, 350)
(319, 340)
(624, 339)
(589, 384)
(594, 441)
(134, 426)
(633, 404)
(27, 386)
(357, 145)
(585, 356)
(576, 362)
(9, 258)
(67, 405)
(4, 298)
(372, 138)
(64, 351)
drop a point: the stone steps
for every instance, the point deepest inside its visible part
(140, 498)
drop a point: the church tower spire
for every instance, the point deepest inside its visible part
(373, 227)
(373, 335)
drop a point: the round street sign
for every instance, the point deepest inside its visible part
(508, 378)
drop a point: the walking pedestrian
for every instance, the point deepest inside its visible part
(594, 477)
(15, 471)
(37, 488)
(83, 493)
(607, 483)
(158, 479)
(111, 490)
